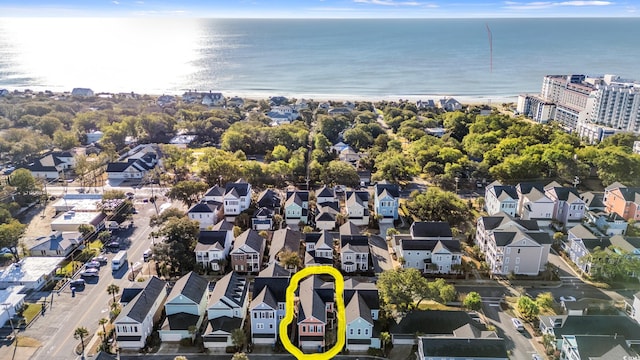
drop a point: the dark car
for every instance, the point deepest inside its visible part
(78, 283)
(113, 246)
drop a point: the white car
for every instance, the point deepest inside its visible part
(517, 324)
(567, 298)
(91, 272)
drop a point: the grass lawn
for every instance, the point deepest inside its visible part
(433, 305)
(96, 244)
(68, 268)
(31, 311)
(25, 341)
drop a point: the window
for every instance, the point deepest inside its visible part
(259, 326)
(519, 251)
(350, 331)
(366, 331)
(270, 326)
(359, 330)
(517, 260)
(255, 315)
(304, 328)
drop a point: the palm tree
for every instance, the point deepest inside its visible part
(113, 290)
(239, 339)
(81, 333)
(103, 322)
(180, 357)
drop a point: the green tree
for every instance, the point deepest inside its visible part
(85, 229)
(473, 301)
(545, 300)
(81, 333)
(438, 205)
(24, 182)
(10, 234)
(187, 191)
(290, 259)
(280, 152)
(394, 166)
(385, 339)
(102, 322)
(181, 236)
(113, 290)
(157, 220)
(239, 339)
(402, 287)
(48, 125)
(113, 195)
(339, 172)
(527, 308)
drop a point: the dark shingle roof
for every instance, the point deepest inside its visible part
(410, 244)
(251, 239)
(349, 228)
(204, 207)
(264, 296)
(392, 189)
(284, 239)
(140, 306)
(621, 325)
(182, 321)
(268, 199)
(223, 225)
(430, 229)
(225, 323)
(211, 239)
(357, 308)
(445, 347)
(231, 289)
(433, 322)
(277, 286)
(215, 191)
(242, 188)
(192, 286)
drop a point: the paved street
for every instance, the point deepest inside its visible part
(55, 329)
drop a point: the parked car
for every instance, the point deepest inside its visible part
(101, 259)
(92, 265)
(567, 298)
(148, 254)
(113, 246)
(91, 272)
(4, 251)
(77, 283)
(517, 324)
(137, 266)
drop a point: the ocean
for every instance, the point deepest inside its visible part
(481, 59)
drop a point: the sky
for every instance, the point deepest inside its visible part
(319, 8)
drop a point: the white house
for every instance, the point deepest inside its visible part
(568, 205)
(31, 272)
(635, 307)
(357, 204)
(213, 248)
(57, 244)
(136, 320)
(11, 300)
(533, 204)
(430, 247)
(53, 165)
(501, 198)
(226, 311)
(580, 243)
(296, 207)
(354, 249)
(237, 197)
(205, 213)
(318, 248)
(185, 308)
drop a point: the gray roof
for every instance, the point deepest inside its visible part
(231, 289)
(311, 304)
(192, 286)
(284, 239)
(503, 190)
(450, 347)
(349, 228)
(325, 192)
(205, 207)
(433, 322)
(392, 190)
(277, 286)
(629, 244)
(274, 270)
(296, 197)
(357, 243)
(240, 187)
(601, 347)
(621, 325)
(223, 225)
(564, 193)
(58, 241)
(357, 308)
(138, 308)
(593, 200)
(269, 199)
(251, 239)
(410, 244)
(224, 323)
(580, 231)
(359, 197)
(264, 296)
(181, 321)
(431, 229)
(215, 191)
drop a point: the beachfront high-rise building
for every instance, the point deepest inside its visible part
(593, 107)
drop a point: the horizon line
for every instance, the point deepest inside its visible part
(160, 16)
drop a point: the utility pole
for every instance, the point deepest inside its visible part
(576, 181)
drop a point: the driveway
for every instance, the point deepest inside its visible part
(380, 254)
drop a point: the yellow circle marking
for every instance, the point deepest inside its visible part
(341, 315)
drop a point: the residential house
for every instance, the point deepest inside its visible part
(81, 92)
(425, 104)
(430, 248)
(467, 348)
(212, 248)
(338, 147)
(247, 253)
(315, 312)
(136, 320)
(533, 204)
(127, 170)
(501, 198)
(327, 215)
(622, 200)
(12, 300)
(584, 347)
(593, 201)
(214, 194)
(386, 201)
(339, 111)
(205, 213)
(278, 101)
(513, 246)
(357, 205)
(31, 272)
(52, 166)
(349, 155)
(568, 205)
(235, 102)
(165, 100)
(434, 323)
(4, 92)
(296, 207)
(284, 240)
(268, 305)
(449, 104)
(608, 223)
(226, 310)
(362, 311)
(562, 327)
(354, 249)
(94, 136)
(213, 99)
(580, 243)
(57, 244)
(237, 197)
(185, 308)
(318, 248)
(268, 204)
(282, 114)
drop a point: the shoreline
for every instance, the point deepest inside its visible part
(260, 95)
